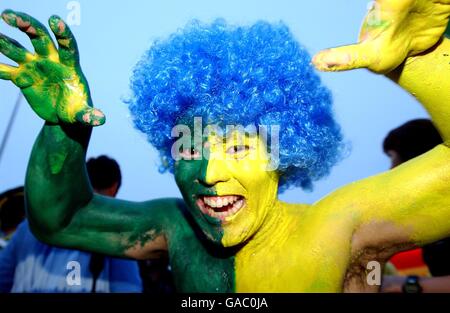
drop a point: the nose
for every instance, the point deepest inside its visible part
(214, 171)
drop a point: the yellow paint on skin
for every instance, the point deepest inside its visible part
(76, 99)
(7, 68)
(29, 57)
(289, 248)
(323, 247)
(53, 55)
(244, 174)
(415, 196)
(293, 253)
(427, 78)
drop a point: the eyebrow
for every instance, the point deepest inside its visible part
(246, 136)
(231, 137)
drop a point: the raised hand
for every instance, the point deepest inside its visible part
(392, 31)
(51, 79)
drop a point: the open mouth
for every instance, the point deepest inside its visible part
(220, 207)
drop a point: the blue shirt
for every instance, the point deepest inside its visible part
(28, 265)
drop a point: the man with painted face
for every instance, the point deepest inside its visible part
(230, 233)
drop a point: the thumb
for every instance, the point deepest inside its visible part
(91, 116)
(344, 58)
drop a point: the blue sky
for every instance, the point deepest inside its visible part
(112, 36)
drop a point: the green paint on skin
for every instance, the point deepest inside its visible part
(91, 116)
(43, 87)
(76, 218)
(197, 237)
(12, 49)
(190, 177)
(4, 74)
(69, 54)
(198, 265)
(62, 208)
(71, 215)
(24, 80)
(37, 32)
(42, 84)
(55, 90)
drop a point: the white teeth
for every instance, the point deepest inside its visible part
(218, 202)
(211, 203)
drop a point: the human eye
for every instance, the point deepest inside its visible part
(238, 149)
(189, 154)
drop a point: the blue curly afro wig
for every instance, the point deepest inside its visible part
(252, 75)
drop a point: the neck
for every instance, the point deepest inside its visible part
(273, 229)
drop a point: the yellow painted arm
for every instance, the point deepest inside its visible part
(409, 205)
(427, 77)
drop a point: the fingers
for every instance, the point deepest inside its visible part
(14, 50)
(91, 116)
(344, 58)
(68, 50)
(38, 34)
(7, 71)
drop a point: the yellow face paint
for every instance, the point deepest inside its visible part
(238, 166)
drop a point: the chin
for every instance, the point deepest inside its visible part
(223, 219)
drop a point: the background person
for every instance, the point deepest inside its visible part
(28, 265)
(12, 213)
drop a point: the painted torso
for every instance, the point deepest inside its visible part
(294, 258)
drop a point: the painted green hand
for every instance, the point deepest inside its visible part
(392, 31)
(51, 79)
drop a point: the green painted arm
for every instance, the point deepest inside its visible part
(64, 211)
(61, 206)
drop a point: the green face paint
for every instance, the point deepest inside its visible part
(190, 177)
